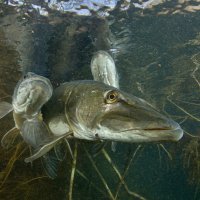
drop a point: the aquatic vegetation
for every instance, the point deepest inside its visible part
(18, 151)
(15, 185)
(191, 148)
(154, 42)
(36, 129)
(191, 159)
(71, 172)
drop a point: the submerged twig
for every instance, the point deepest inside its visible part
(121, 177)
(84, 177)
(125, 173)
(34, 179)
(183, 110)
(194, 136)
(196, 69)
(11, 162)
(9, 138)
(190, 103)
(5, 97)
(196, 191)
(167, 152)
(69, 148)
(184, 119)
(100, 175)
(73, 170)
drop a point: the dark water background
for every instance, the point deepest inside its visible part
(157, 55)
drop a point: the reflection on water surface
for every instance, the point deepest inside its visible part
(155, 45)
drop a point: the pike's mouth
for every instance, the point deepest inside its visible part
(155, 134)
(152, 129)
(156, 129)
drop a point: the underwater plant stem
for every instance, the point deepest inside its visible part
(69, 148)
(73, 170)
(187, 102)
(100, 175)
(93, 185)
(184, 120)
(193, 73)
(183, 110)
(167, 152)
(125, 172)
(196, 191)
(5, 97)
(133, 193)
(7, 141)
(11, 162)
(34, 179)
(195, 136)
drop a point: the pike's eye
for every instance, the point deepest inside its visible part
(112, 97)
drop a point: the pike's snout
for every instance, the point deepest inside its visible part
(155, 125)
(164, 128)
(132, 119)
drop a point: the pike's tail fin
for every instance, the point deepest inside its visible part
(5, 108)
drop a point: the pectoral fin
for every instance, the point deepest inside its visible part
(50, 164)
(35, 133)
(46, 148)
(51, 160)
(9, 139)
(5, 108)
(60, 151)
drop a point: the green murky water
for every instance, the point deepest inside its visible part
(156, 49)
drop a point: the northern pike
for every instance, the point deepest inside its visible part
(89, 110)
(96, 111)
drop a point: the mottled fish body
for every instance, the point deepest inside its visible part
(97, 111)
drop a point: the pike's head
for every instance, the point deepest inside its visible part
(99, 111)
